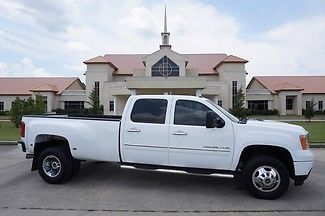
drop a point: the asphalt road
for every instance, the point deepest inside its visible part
(107, 189)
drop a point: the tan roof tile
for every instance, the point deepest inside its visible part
(308, 84)
(45, 88)
(24, 85)
(124, 64)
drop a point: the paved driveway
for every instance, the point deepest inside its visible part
(107, 189)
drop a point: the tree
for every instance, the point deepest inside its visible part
(310, 109)
(17, 111)
(238, 104)
(94, 102)
(40, 106)
(26, 107)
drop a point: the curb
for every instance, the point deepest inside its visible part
(8, 142)
(317, 145)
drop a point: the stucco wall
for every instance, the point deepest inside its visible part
(229, 72)
(98, 72)
(9, 99)
(316, 97)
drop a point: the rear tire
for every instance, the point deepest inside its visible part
(76, 166)
(266, 177)
(55, 165)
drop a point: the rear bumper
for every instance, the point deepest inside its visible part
(21, 145)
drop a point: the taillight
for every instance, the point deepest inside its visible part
(22, 129)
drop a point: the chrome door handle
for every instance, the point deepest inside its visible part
(134, 130)
(179, 132)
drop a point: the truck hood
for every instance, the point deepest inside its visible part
(275, 125)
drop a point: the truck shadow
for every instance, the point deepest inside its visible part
(112, 175)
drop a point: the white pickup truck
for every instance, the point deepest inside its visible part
(172, 132)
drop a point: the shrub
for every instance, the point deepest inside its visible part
(26, 107)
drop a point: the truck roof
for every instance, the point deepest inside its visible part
(166, 96)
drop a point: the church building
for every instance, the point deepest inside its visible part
(216, 76)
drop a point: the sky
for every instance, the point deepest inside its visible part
(53, 38)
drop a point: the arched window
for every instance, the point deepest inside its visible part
(165, 67)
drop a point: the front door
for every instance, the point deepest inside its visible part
(194, 145)
(145, 133)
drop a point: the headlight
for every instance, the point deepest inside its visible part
(304, 142)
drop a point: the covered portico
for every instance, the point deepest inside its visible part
(121, 91)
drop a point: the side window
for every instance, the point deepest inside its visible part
(149, 111)
(190, 113)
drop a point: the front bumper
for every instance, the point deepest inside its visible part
(303, 167)
(302, 171)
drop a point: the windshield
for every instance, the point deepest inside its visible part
(230, 116)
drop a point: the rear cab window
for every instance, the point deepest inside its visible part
(149, 111)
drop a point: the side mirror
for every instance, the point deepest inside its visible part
(212, 121)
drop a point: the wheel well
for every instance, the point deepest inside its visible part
(280, 153)
(44, 141)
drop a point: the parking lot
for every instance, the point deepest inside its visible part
(107, 189)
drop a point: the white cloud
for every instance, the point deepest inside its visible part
(3, 68)
(75, 67)
(141, 21)
(76, 46)
(25, 69)
(69, 33)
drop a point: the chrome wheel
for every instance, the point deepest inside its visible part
(51, 166)
(266, 178)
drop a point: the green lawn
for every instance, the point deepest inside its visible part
(8, 132)
(316, 130)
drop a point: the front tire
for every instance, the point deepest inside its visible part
(266, 177)
(55, 165)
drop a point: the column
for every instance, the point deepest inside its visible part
(198, 92)
(299, 103)
(215, 100)
(282, 102)
(133, 92)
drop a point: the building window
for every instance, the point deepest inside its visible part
(111, 105)
(307, 104)
(220, 103)
(149, 111)
(44, 100)
(2, 106)
(258, 104)
(69, 105)
(320, 105)
(289, 103)
(165, 67)
(234, 91)
(97, 88)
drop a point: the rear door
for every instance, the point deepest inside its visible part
(145, 133)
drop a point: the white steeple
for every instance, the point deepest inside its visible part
(165, 35)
